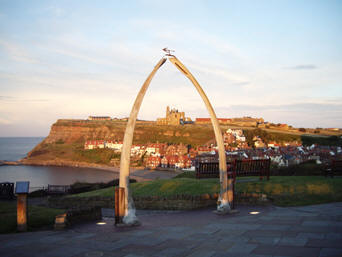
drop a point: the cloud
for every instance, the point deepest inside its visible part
(3, 97)
(243, 83)
(19, 99)
(5, 121)
(17, 53)
(303, 67)
(56, 11)
(216, 71)
(325, 114)
(328, 107)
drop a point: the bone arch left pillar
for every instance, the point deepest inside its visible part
(127, 143)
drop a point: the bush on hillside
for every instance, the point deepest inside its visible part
(80, 187)
(330, 141)
(309, 168)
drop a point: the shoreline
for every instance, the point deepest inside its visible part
(59, 163)
(67, 163)
(138, 173)
(73, 164)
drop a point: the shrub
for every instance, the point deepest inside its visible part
(59, 142)
(81, 187)
(309, 168)
(38, 193)
(321, 140)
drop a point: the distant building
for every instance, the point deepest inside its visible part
(173, 117)
(244, 121)
(99, 118)
(333, 129)
(207, 120)
(94, 144)
(284, 126)
(153, 162)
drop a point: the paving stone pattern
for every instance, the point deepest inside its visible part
(296, 231)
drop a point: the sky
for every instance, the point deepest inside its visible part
(280, 60)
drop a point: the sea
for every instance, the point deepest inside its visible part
(15, 148)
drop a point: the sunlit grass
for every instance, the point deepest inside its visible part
(296, 190)
(38, 217)
(285, 191)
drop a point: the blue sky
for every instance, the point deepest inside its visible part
(280, 60)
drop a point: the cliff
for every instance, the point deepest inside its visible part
(78, 131)
(64, 146)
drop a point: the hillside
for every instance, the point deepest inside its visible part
(65, 143)
(78, 131)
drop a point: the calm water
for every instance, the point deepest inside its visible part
(12, 149)
(15, 148)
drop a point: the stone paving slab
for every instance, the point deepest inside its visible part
(296, 231)
(290, 241)
(325, 243)
(265, 240)
(330, 252)
(312, 236)
(333, 236)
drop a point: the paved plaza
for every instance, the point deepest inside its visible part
(274, 231)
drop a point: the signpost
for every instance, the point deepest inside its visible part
(119, 205)
(22, 190)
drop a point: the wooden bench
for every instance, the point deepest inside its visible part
(57, 189)
(243, 168)
(334, 168)
(237, 168)
(207, 170)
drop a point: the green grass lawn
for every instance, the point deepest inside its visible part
(282, 190)
(296, 190)
(38, 217)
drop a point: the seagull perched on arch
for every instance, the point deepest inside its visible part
(168, 51)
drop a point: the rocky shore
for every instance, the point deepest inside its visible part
(65, 163)
(68, 163)
(138, 173)
(3, 163)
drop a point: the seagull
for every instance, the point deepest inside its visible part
(168, 51)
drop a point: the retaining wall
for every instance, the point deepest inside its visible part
(177, 202)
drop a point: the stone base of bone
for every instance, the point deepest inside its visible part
(225, 212)
(134, 223)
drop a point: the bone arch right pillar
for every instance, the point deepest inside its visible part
(226, 193)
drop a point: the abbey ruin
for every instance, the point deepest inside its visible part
(173, 117)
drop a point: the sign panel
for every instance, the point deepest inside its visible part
(22, 187)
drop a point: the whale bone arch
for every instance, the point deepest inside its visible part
(226, 193)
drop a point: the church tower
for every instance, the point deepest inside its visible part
(167, 111)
